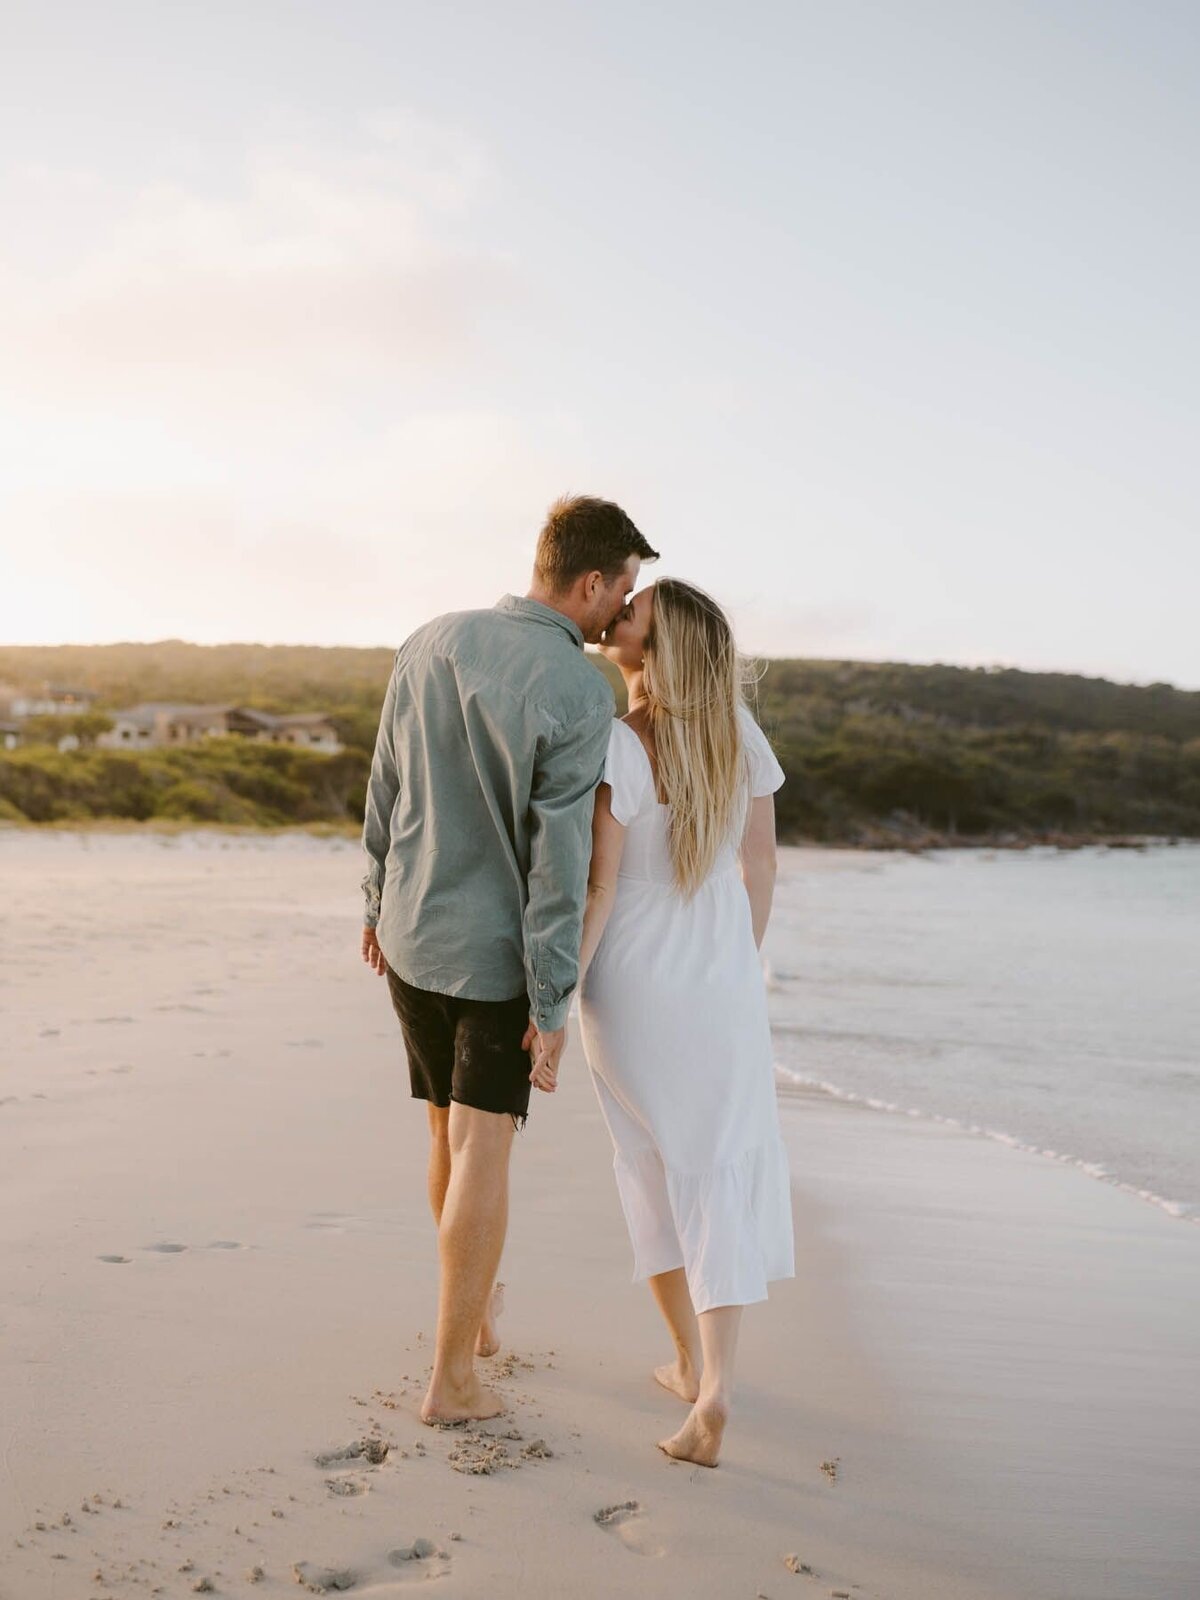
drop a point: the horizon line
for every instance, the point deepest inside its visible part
(867, 661)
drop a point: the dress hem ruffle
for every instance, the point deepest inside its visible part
(732, 1224)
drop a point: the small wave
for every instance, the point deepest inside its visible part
(1094, 1169)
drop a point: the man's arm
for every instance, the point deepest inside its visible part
(561, 803)
(608, 846)
(382, 789)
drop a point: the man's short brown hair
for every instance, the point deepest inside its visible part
(582, 534)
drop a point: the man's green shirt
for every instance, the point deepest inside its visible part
(479, 810)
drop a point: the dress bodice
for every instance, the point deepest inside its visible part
(635, 804)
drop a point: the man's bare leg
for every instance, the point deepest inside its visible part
(470, 1243)
(439, 1157)
(488, 1340)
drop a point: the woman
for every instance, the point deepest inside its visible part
(673, 1002)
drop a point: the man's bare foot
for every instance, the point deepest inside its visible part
(679, 1380)
(488, 1340)
(699, 1439)
(471, 1403)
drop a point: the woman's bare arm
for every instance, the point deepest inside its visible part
(758, 862)
(608, 845)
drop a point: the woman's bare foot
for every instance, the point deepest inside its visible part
(679, 1380)
(488, 1340)
(699, 1439)
(471, 1402)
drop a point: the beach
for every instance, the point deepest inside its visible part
(219, 1271)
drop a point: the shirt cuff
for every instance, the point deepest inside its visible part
(551, 1017)
(548, 1005)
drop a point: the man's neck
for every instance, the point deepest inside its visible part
(554, 602)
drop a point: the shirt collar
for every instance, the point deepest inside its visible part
(535, 611)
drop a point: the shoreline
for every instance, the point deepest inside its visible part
(222, 837)
(219, 1268)
(1036, 1332)
(919, 841)
(791, 1083)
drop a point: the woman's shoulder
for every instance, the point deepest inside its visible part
(627, 770)
(634, 731)
(749, 727)
(766, 775)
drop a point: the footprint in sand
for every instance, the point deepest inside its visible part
(374, 1451)
(346, 1486)
(117, 1261)
(323, 1580)
(631, 1526)
(419, 1561)
(335, 1221)
(165, 1248)
(224, 1244)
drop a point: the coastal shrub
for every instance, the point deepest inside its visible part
(49, 785)
(85, 726)
(203, 800)
(225, 780)
(872, 751)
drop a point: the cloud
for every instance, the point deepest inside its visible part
(321, 272)
(436, 512)
(251, 413)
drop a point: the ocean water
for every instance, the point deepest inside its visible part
(1047, 998)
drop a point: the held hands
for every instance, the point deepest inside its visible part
(372, 954)
(546, 1050)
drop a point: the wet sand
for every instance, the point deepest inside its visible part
(218, 1282)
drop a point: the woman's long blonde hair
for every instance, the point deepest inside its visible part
(693, 683)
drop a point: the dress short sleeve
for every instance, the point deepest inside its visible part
(766, 775)
(627, 772)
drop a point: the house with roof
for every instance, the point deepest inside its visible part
(158, 724)
(311, 729)
(55, 700)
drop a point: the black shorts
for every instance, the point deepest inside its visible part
(465, 1050)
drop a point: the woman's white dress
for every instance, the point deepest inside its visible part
(674, 1022)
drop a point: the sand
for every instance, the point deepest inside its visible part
(218, 1277)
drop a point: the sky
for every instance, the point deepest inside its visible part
(880, 320)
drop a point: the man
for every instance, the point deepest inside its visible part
(478, 833)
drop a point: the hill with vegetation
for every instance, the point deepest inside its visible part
(880, 750)
(875, 753)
